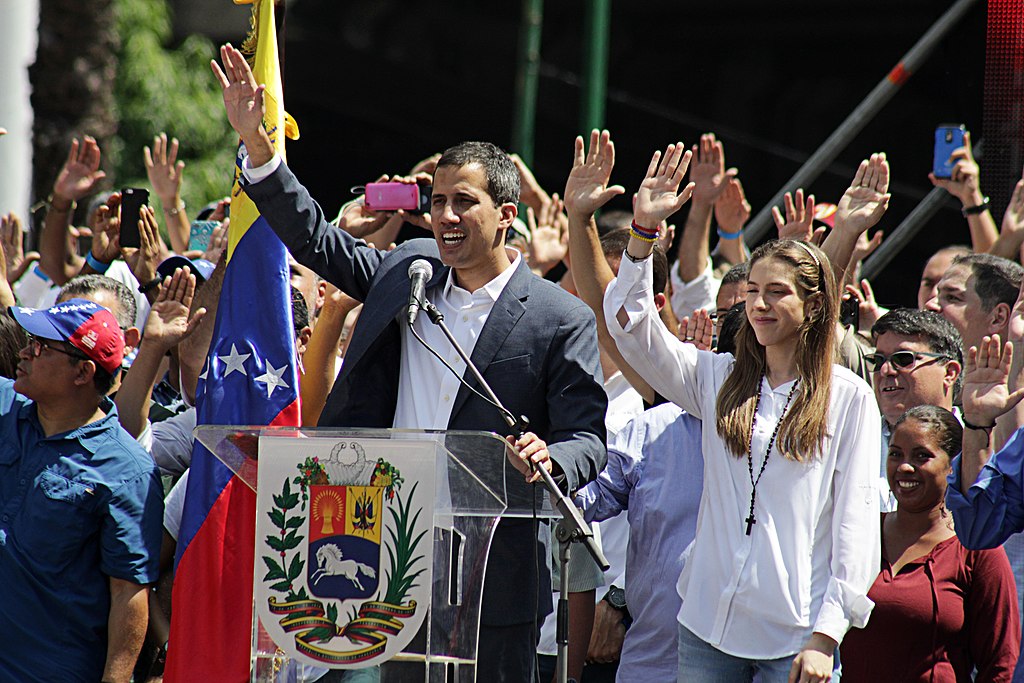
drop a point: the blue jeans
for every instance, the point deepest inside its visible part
(700, 662)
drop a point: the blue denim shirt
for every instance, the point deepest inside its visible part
(75, 509)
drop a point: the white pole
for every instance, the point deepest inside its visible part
(18, 37)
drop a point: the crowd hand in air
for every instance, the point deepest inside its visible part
(799, 221)
(697, 330)
(12, 236)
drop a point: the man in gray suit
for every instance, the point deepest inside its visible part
(535, 344)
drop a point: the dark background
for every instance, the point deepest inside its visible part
(376, 85)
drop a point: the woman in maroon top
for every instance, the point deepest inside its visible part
(941, 610)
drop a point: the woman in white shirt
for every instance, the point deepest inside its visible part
(787, 535)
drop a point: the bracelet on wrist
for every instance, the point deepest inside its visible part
(977, 209)
(642, 234)
(724, 235)
(979, 428)
(176, 209)
(637, 259)
(60, 209)
(151, 285)
(97, 265)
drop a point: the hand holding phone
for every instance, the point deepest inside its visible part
(132, 201)
(393, 196)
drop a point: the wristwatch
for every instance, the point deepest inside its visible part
(616, 597)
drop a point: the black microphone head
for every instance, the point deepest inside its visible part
(421, 267)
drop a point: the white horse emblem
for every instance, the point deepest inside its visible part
(331, 562)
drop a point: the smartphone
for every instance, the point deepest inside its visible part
(200, 233)
(849, 313)
(132, 201)
(395, 196)
(948, 138)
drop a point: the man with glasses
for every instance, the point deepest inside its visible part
(917, 361)
(80, 505)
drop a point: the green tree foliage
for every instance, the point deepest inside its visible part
(160, 88)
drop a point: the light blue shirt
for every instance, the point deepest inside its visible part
(655, 473)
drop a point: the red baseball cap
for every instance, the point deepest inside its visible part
(89, 327)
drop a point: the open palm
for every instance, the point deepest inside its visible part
(587, 189)
(659, 196)
(866, 200)
(985, 393)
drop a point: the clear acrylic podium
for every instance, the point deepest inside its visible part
(472, 485)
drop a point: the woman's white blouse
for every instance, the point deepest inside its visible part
(815, 549)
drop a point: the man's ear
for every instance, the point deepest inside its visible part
(953, 370)
(302, 341)
(86, 371)
(132, 336)
(659, 301)
(998, 318)
(509, 211)
(321, 297)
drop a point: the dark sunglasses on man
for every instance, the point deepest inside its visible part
(899, 360)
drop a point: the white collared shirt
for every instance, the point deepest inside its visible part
(815, 550)
(426, 389)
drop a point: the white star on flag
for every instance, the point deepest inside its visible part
(206, 370)
(234, 361)
(272, 378)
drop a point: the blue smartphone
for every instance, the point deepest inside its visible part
(948, 138)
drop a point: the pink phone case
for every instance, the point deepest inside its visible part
(392, 196)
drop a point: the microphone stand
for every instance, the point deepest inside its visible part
(572, 528)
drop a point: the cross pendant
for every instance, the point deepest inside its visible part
(750, 522)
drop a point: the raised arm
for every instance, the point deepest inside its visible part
(732, 211)
(1011, 233)
(861, 207)
(78, 178)
(586, 191)
(986, 396)
(965, 184)
(710, 179)
(165, 174)
(168, 323)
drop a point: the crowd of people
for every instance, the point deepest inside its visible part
(783, 497)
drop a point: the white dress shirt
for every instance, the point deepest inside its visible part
(815, 549)
(427, 389)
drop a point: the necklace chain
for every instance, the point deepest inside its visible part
(750, 520)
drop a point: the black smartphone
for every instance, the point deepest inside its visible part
(132, 201)
(849, 313)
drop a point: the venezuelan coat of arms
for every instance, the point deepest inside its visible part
(343, 547)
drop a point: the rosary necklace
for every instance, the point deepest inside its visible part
(771, 442)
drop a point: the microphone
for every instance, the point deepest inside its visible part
(420, 272)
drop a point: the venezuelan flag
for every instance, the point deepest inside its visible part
(250, 379)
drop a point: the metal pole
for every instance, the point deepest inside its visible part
(596, 26)
(904, 233)
(860, 116)
(527, 69)
(911, 225)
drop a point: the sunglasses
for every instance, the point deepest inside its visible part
(900, 359)
(36, 346)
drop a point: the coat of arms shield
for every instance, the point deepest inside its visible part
(344, 545)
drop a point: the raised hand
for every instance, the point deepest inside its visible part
(243, 97)
(106, 230)
(218, 241)
(1013, 219)
(548, 242)
(168, 322)
(659, 196)
(697, 330)
(866, 200)
(799, 221)
(985, 392)
(163, 169)
(732, 210)
(81, 172)
(964, 181)
(151, 251)
(707, 172)
(869, 310)
(587, 188)
(16, 261)
(531, 193)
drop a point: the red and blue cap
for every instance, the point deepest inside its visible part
(89, 327)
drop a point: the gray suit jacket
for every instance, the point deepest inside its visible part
(537, 350)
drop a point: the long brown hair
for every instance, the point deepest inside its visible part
(805, 425)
